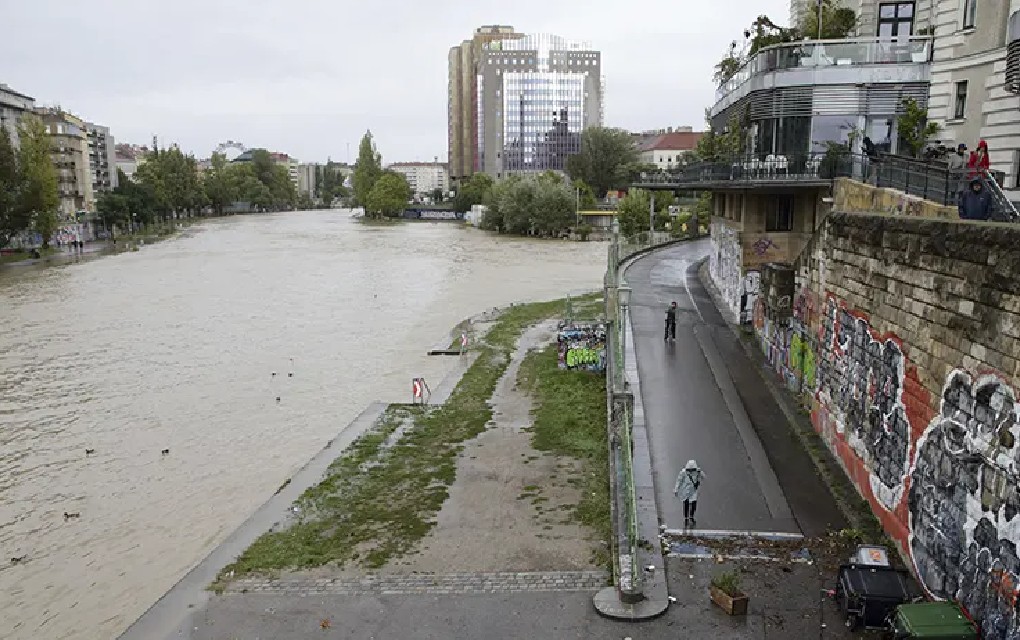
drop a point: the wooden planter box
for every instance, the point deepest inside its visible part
(733, 605)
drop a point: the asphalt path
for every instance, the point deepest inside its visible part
(692, 407)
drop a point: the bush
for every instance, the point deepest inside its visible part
(729, 583)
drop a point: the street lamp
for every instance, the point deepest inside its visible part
(624, 295)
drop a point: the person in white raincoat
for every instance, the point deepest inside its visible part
(686, 489)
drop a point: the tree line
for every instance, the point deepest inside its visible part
(29, 195)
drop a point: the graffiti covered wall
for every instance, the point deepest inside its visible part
(582, 346)
(905, 340)
(725, 265)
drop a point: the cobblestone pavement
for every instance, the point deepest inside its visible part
(453, 583)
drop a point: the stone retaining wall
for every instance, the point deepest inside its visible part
(904, 341)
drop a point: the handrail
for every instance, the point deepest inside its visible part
(929, 180)
(826, 53)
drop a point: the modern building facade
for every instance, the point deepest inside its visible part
(535, 96)
(70, 154)
(670, 149)
(462, 107)
(424, 177)
(102, 158)
(976, 80)
(792, 104)
(13, 105)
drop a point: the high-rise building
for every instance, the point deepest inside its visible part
(463, 98)
(102, 158)
(306, 178)
(12, 106)
(70, 153)
(535, 96)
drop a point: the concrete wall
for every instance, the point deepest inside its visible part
(905, 341)
(856, 197)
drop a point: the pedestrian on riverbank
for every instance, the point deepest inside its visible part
(671, 322)
(686, 489)
(976, 203)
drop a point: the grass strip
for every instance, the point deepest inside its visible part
(570, 420)
(382, 495)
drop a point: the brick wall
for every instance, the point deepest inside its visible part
(905, 341)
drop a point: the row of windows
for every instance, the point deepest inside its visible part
(897, 18)
(531, 61)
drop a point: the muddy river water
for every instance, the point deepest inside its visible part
(173, 347)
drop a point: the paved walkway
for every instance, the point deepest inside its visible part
(705, 399)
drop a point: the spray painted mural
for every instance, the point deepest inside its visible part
(582, 346)
(860, 387)
(725, 264)
(750, 290)
(963, 502)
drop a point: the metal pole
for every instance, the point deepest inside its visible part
(819, 19)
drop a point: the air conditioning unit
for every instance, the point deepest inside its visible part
(1013, 55)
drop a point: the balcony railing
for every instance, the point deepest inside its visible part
(933, 181)
(830, 53)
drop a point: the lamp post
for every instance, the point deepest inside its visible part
(624, 293)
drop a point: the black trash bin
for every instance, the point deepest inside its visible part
(868, 594)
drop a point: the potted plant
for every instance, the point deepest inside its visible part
(726, 593)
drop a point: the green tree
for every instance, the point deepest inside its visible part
(914, 128)
(304, 202)
(39, 196)
(437, 195)
(220, 190)
(113, 209)
(633, 212)
(389, 196)
(171, 177)
(837, 22)
(585, 196)
(475, 190)
(281, 188)
(531, 205)
(605, 161)
(13, 217)
(367, 170)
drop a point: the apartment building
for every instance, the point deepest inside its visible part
(102, 158)
(976, 80)
(307, 174)
(669, 149)
(424, 177)
(71, 155)
(12, 106)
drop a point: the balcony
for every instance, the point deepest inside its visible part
(932, 181)
(829, 62)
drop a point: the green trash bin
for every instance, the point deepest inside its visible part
(932, 621)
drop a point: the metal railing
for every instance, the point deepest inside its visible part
(621, 415)
(829, 53)
(930, 180)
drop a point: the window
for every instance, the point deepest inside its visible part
(779, 213)
(896, 19)
(960, 110)
(969, 9)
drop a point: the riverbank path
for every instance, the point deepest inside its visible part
(704, 399)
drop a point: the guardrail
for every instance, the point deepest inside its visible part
(829, 53)
(931, 180)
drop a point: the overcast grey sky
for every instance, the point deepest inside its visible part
(307, 77)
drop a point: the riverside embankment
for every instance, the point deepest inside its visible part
(418, 500)
(173, 347)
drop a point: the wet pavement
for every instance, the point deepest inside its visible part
(786, 601)
(687, 411)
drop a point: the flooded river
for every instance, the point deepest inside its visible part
(173, 347)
